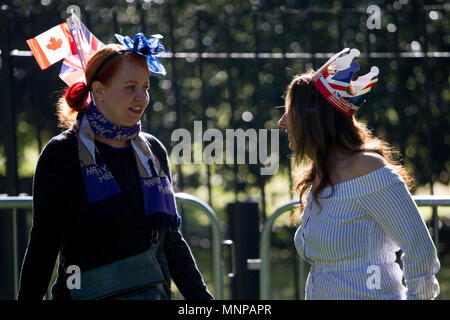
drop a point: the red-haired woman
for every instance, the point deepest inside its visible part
(358, 210)
(102, 193)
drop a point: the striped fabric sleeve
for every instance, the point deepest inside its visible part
(393, 208)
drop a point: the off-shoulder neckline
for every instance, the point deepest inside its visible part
(375, 179)
(363, 176)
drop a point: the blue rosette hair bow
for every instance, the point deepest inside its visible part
(149, 48)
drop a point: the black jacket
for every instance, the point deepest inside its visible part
(62, 223)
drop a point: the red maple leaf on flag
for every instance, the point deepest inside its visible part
(54, 44)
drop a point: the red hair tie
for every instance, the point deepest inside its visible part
(76, 95)
(77, 90)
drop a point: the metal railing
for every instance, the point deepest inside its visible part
(216, 239)
(263, 263)
(183, 199)
(15, 203)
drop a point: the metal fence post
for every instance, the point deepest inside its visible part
(176, 89)
(244, 231)
(8, 223)
(216, 234)
(9, 287)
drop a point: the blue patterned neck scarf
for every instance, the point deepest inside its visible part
(106, 129)
(103, 191)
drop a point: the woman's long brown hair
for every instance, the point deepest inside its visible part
(317, 128)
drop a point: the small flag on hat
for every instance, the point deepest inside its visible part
(72, 69)
(52, 45)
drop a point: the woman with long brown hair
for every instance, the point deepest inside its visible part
(357, 210)
(102, 194)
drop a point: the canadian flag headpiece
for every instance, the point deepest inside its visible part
(333, 79)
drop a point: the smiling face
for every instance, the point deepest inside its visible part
(124, 98)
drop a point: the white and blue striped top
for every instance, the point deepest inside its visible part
(351, 242)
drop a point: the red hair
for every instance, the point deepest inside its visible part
(74, 98)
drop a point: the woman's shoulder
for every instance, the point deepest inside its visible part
(60, 145)
(155, 143)
(58, 158)
(363, 163)
(368, 172)
(160, 151)
(365, 172)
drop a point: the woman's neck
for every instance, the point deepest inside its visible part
(113, 143)
(339, 164)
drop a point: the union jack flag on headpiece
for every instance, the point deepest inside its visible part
(70, 41)
(87, 45)
(334, 86)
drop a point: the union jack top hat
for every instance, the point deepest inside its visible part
(334, 86)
